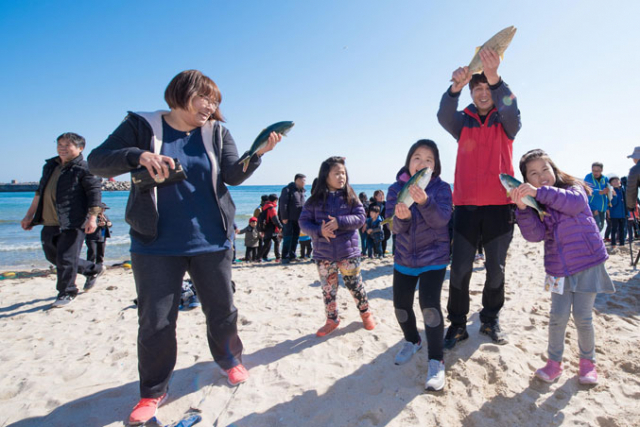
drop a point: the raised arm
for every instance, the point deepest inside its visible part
(570, 201)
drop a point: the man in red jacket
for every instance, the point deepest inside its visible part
(485, 131)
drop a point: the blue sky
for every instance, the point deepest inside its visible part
(361, 79)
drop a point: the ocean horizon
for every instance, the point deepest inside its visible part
(21, 250)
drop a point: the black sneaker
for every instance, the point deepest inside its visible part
(455, 334)
(494, 332)
(62, 300)
(91, 280)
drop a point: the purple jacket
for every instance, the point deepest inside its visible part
(423, 239)
(345, 245)
(572, 242)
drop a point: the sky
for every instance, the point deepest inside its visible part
(361, 79)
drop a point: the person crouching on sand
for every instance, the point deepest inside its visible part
(422, 255)
(332, 216)
(574, 257)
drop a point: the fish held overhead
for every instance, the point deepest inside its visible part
(510, 183)
(498, 43)
(421, 179)
(261, 140)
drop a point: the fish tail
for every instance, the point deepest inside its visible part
(387, 221)
(245, 163)
(542, 214)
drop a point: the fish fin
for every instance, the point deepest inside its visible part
(478, 49)
(502, 56)
(245, 163)
(387, 221)
(542, 214)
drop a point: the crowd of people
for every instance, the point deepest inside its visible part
(183, 224)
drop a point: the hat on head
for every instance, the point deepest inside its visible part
(613, 176)
(635, 154)
(253, 219)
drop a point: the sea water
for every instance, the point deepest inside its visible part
(21, 250)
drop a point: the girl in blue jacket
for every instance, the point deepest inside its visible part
(332, 216)
(422, 254)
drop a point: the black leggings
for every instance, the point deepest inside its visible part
(404, 288)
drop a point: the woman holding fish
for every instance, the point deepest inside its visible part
(421, 203)
(184, 227)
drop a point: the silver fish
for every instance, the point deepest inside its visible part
(509, 183)
(261, 140)
(610, 194)
(421, 179)
(499, 43)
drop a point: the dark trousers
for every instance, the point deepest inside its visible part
(62, 248)
(290, 236)
(268, 237)
(618, 230)
(363, 242)
(404, 288)
(158, 284)
(95, 250)
(387, 236)
(305, 248)
(374, 247)
(251, 254)
(493, 227)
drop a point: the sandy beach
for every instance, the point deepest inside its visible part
(77, 366)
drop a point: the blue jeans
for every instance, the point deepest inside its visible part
(600, 219)
(561, 307)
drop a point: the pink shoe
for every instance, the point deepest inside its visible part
(550, 372)
(145, 410)
(367, 321)
(588, 374)
(328, 327)
(236, 375)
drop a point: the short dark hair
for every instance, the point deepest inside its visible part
(476, 79)
(189, 84)
(264, 198)
(427, 143)
(73, 138)
(273, 197)
(374, 208)
(563, 179)
(597, 164)
(298, 176)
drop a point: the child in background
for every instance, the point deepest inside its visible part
(375, 233)
(574, 257)
(251, 239)
(363, 230)
(421, 256)
(332, 216)
(617, 213)
(305, 246)
(97, 241)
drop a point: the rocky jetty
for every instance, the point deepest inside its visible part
(16, 187)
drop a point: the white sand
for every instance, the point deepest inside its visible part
(77, 366)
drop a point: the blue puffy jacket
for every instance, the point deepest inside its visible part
(597, 202)
(423, 239)
(350, 218)
(618, 208)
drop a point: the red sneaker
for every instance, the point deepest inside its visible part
(236, 375)
(145, 410)
(367, 321)
(328, 327)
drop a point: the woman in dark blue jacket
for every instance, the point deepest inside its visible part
(422, 253)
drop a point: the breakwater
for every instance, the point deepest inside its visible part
(21, 187)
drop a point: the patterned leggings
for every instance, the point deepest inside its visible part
(350, 269)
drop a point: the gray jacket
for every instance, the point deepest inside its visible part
(633, 181)
(140, 132)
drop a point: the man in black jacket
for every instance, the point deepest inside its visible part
(291, 203)
(67, 204)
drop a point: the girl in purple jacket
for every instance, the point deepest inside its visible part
(332, 216)
(574, 256)
(421, 254)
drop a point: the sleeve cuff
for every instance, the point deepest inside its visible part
(497, 85)
(453, 95)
